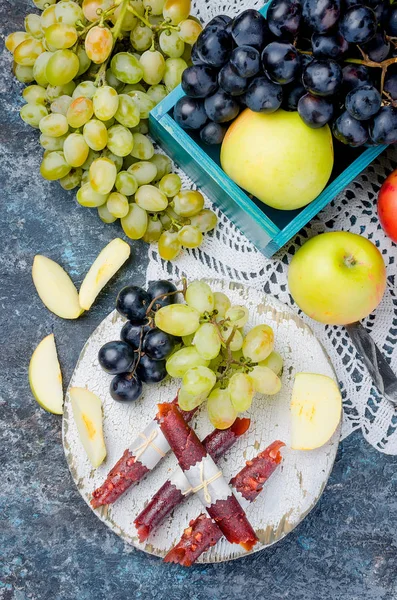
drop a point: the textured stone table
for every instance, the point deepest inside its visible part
(51, 545)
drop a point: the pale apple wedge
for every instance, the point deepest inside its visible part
(316, 409)
(87, 413)
(45, 376)
(55, 288)
(106, 265)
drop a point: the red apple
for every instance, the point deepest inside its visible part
(387, 206)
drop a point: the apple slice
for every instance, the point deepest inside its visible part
(316, 409)
(45, 377)
(87, 412)
(108, 262)
(55, 288)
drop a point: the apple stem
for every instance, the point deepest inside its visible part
(349, 261)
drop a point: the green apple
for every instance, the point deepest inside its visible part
(55, 288)
(316, 409)
(337, 278)
(277, 158)
(45, 377)
(87, 413)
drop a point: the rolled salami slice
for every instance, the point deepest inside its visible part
(205, 478)
(177, 488)
(203, 532)
(143, 455)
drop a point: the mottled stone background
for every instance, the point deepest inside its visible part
(51, 545)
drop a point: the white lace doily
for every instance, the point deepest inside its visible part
(228, 253)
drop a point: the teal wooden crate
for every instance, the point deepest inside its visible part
(269, 229)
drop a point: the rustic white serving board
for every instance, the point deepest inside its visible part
(287, 497)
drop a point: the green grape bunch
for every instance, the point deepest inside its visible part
(94, 70)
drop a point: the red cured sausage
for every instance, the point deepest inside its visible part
(169, 496)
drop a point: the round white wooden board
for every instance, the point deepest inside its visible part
(290, 493)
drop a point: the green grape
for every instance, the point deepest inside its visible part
(114, 82)
(72, 179)
(23, 74)
(190, 401)
(157, 93)
(32, 114)
(92, 155)
(85, 177)
(126, 183)
(99, 44)
(13, 40)
(93, 8)
(199, 296)
(155, 6)
(120, 140)
(265, 381)
(190, 237)
(55, 125)
(33, 26)
(108, 124)
(182, 360)
(171, 44)
(238, 316)
(68, 12)
(60, 35)
(48, 17)
(170, 184)
(39, 68)
(221, 411)
(205, 220)
(126, 68)
(130, 20)
(187, 55)
(95, 134)
(84, 61)
(117, 205)
(144, 103)
(198, 381)
(188, 203)
(221, 304)
(241, 391)
(75, 150)
(86, 89)
(103, 174)
(236, 342)
(34, 94)
(178, 319)
(274, 362)
(80, 112)
(153, 231)
(153, 66)
(188, 339)
(88, 197)
(207, 341)
(61, 105)
(105, 215)
(142, 127)
(62, 67)
(105, 102)
(56, 91)
(144, 172)
(176, 11)
(50, 143)
(151, 199)
(189, 31)
(163, 165)
(174, 68)
(133, 87)
(169, 245)
(27, 52)
(118, 161)
(258, 343)
(41, 4)
(141, 37)
(128, 161)
(127, 113)
(134, 224)
(54, 166)
(142, 147)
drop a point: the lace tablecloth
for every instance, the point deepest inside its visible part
(229, 254)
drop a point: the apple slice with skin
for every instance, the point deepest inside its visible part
(108, 262)
(45, 377)
(316, 409)
(87, 413)
(55, 288)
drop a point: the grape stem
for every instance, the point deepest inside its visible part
(162, 296)
(104, 15)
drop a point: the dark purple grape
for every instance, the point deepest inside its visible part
(214, 46)
(314, 111)
(306, 59)
(250, 29)
(363, 102)
(133, 333)
(116, 357)
(321, 15)
(358, 24)
(195, 57)
(350, 131)
(220, 21)
(221, 108)
(391, 21)
(383, 128)
(263, 95)
(199, 81)
(133, 302)
(189, 113)
(213, 134)
(292, 93)
(246, 61)
(284, 17)
(126, 388)
(329, 46)
(159, 288)
(391, 84)
(158, 345)
(281, 62)
(381, 11)
(322, 77)
(231, 82)
(151, 371)
(378, 48)
(354, 76)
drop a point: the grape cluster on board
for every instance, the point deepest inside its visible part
(201, 341)
(333, 61)
(98, 67)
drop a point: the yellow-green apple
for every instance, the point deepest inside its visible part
(277, 158)
(87, 413)
(387, 206)
(337, 278)
(45, 376)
